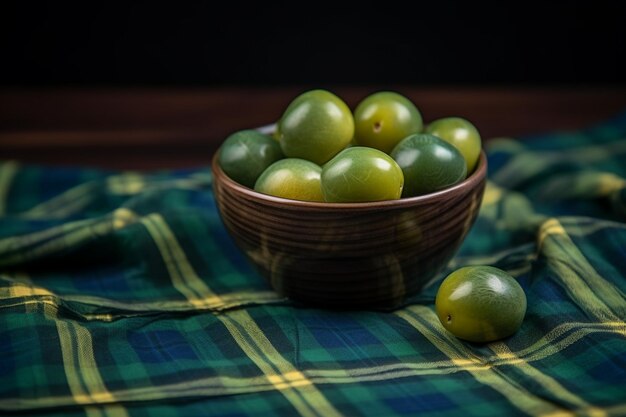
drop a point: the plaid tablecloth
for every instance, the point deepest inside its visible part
(121, 294)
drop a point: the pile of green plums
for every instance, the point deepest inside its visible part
(322, 151)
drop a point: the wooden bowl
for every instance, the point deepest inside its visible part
(349, 255)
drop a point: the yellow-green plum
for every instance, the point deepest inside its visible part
(293, 178)
(315, 126)
(462, 134)
(360, 174)
(245, 154)
(385, 118)
(480, 304)
(428, 164)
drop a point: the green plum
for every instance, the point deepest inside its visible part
(460, 133)
(428, 164)
(360, 174)
(245, 154)
(315, 126)
(383, 119)
(480, 304)
(293, 178)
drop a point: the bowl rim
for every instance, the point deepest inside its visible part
(478, 175)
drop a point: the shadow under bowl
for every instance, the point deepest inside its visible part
(349, 255)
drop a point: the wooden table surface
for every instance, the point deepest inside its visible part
(153, 128)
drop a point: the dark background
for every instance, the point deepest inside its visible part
(298, 43)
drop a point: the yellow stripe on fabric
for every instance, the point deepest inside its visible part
(554, 341)
(595, 153)
(184, 277)
(595, 412)
(189, 276)
(8, 170)
(88, 366)
(605, 183)
(222, 302)
(224, 385)
(18, 242)
(67, 203)
(207, 387)
(127, 183)
(21, 288)
(558, 338)
(590, 290)
(106, 411)
(532, 163)
(92, 411)
(190, 286)
(72, 373)
(166, 254)
(18, 289)
(277, 381)
(591, 226)
(221, 385)
(114, 410)
(68, 236)
(132, 183)
(292, 383)
(519, 167)
(464, 358)
(550, 384)
(583, 227)
(288, 380)
(492, 194)
(525, 253)
(616, 410)
(81, 370)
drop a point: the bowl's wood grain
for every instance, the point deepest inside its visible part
(353, 255)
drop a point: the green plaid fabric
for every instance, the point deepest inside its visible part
(122, 295)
